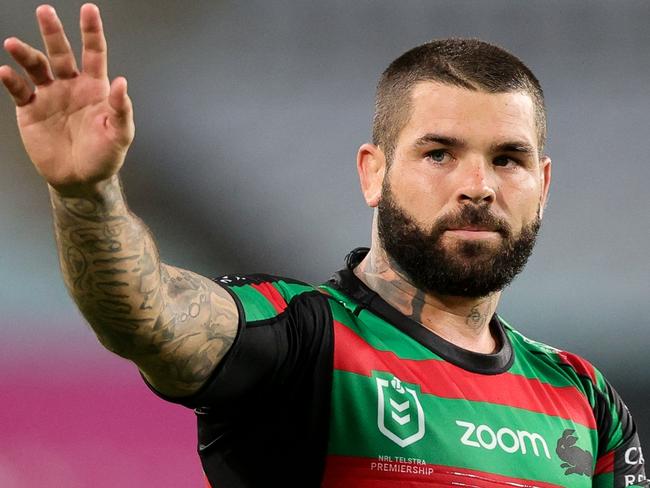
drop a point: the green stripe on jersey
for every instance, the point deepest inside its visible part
(605, 480)
(256, 306)
(456, 432)
(380, 335)
(291, 290)
(542, 364)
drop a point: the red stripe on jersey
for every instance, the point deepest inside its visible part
(446, 380)
(581, 366)
(272, 295)
(363, 472)
(605, 464)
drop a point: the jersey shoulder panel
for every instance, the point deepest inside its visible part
(558, 366)
(575, 364)
(262, 297)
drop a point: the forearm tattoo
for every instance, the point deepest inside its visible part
(174, 324)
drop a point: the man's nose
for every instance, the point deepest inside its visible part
(476, 182)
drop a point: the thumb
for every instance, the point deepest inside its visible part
(120, 103)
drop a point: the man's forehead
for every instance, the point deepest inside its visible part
(463, 113)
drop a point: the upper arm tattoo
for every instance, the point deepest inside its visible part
(192, 334)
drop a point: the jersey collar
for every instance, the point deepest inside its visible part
(495, 363)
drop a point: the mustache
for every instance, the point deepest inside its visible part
(473, 216)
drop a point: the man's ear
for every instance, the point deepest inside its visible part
(371, 165)
(545, 174)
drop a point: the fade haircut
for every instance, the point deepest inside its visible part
(467, 63)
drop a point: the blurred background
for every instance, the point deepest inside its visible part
(249, 115)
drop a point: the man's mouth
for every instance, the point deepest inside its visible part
(474, 232)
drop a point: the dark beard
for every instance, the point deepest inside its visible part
(469, 269)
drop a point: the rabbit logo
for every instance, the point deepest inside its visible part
(576, 460)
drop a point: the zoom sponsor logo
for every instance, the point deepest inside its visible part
(505, 439)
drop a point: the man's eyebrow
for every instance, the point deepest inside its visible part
(449, 141)
(513, 146)
(428, 139)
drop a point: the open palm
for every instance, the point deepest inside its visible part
(76, 126)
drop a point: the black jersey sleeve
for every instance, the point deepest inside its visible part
(262, 415)
(620, 462)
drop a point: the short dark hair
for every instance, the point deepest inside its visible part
(468, 63)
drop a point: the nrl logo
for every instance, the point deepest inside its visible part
(399, 413)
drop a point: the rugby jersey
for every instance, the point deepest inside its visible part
(333, 387)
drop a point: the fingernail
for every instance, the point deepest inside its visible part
(43, 8)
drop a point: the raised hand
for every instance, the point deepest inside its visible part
(76, 126)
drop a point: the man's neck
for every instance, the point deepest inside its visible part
(459, 320)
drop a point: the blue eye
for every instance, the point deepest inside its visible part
(437, 155)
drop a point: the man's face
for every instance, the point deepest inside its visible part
(462, 200)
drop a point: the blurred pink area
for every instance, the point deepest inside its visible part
(79, 420)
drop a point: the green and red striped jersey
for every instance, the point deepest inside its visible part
(333, 387)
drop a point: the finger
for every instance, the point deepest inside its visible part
(17, 86)
(121, 103)
(93, 56)
(33, 61)
(56, 43)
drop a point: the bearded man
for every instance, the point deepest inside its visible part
(396, 372)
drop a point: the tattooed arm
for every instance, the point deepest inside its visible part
(174, 324)
(77, 127)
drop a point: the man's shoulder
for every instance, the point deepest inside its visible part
(264, 296)
(572, 363)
